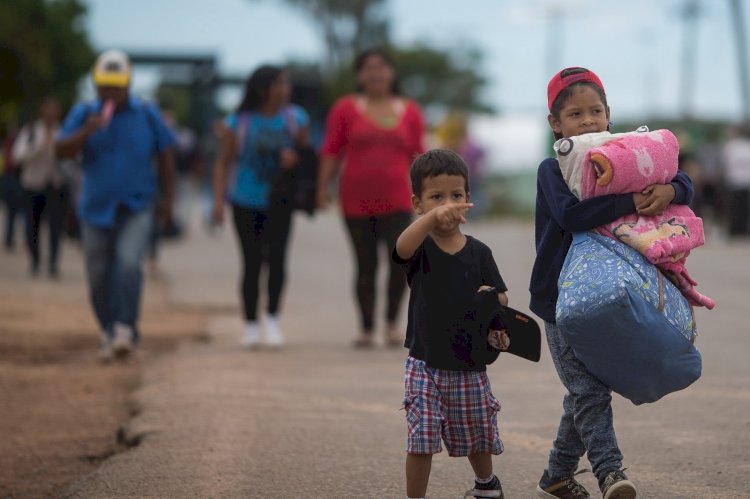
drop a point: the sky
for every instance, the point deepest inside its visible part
(635, 46)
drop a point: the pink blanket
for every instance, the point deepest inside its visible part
(603, 163)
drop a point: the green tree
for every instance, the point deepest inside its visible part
(347, 26)
(437, 78)
(44, 50)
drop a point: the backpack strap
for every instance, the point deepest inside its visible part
(244, 120)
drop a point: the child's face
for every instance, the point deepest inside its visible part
(440, 190)
(583, 112)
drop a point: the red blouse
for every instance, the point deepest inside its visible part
(375, 175)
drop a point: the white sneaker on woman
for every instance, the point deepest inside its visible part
(274, 338)
(251, 336)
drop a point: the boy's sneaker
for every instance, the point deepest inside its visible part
(491, 489)
(123, 344)
(567, 488)
(617, 486)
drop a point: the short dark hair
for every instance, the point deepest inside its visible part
(437, 162)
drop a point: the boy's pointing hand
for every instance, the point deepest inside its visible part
(452, 213)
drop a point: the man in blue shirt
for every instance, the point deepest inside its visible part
(118, 137)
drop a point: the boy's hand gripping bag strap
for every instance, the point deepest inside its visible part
(522, 330)
(608, 311)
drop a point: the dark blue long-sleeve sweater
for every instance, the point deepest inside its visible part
(559, 213)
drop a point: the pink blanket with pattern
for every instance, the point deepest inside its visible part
(604, 163)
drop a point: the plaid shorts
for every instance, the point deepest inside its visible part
(455, 405)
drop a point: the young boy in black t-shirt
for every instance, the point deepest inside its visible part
(447, 392)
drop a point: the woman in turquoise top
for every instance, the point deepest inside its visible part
(256, 146)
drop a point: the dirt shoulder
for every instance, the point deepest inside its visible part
(61, 408)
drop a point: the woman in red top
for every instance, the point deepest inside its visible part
(374, 135)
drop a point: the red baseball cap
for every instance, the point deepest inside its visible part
(566, 78)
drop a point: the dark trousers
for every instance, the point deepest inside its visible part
(49, 203)
(739, 212)
(14, 205)
(366, 233)
(264, 236)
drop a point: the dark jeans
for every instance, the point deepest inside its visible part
(366, 233)
(51, 204)
(586, 425)
(264, 236)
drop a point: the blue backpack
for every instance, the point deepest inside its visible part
(630, 326)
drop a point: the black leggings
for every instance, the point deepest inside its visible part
(365, 234)
(263, 239)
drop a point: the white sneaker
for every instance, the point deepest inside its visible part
(251, 337)
(123, 344)
(274, 338)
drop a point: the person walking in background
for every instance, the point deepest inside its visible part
(374, 135)
(736, 159)
(10, 188)
(119, 137)
(259, 142)
(43, 182)
(453, 133)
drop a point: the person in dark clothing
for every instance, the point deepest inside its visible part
(11, 190)
(43, 182)
(578, 105)
(446, 389)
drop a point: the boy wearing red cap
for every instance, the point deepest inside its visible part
(578, 105)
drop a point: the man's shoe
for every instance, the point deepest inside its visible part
(105, 354)
(491, 489)
(124, 343)
(567, 488)
(617, 486)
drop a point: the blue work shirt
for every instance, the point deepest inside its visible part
(118, 160)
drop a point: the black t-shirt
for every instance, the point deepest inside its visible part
(446, 328)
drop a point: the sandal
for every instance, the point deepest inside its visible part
(364, 340)
(393, 338)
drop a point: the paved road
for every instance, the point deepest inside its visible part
(322, 420)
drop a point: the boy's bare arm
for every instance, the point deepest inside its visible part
(412, 237)
(501, 297)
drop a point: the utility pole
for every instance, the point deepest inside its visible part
(555, 16)
(690, 12)
(740, 37)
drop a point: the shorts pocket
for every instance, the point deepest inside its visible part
(413, 413)
(494, 405)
